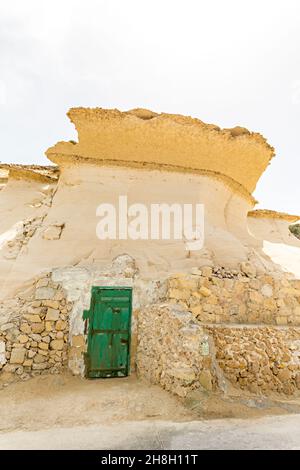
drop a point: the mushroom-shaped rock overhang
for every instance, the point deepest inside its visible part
(169, 141)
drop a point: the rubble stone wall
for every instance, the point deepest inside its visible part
(181, 354)
(214, 295)
(259, 359)
(34, 330)
(173, 350)
(205, 329)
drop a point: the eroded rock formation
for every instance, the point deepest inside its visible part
(245, 275)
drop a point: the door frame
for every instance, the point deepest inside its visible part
(87, 316)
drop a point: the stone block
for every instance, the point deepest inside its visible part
(60, 325)
(17, 356)
(23, 339)
(32, 318)
(57, 344)
(37, 328)
(52, 314)
(51, 303)
(44, 293)
(25, 328)
(179, 294)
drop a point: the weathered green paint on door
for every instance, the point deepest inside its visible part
(109, 323)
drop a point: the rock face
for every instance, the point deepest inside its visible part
(227, 314)
(165, 140)
(51, 222)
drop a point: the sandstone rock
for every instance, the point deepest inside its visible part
(46, 339)
(7, 326)
(17, 356)
(281, 320)
(25, 328)
(42, 282)
(20, 370)
(43, 352)
(59, 295)
(60, 325)
(288, 388)
(32, 318)
(204, 291)
(43, 346)
(44, 293)
(51, 303)
(270, 304)
(248, 269)
(34, 310)
(36, 337)
(183, 373)
(187, 283)
(53, 232)
(52, 314)
(39, 358)
(23, 338)
(196, 271)
(206, 271)
(205, 379)
(196, 311)
(48, 326)
(37, 327)
(31, 354)
(57, 344)
(28, 363)
(267, 290)
(39, 366)
(255, 297)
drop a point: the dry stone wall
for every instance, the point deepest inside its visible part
(206, 329)
(259, 359)
(173, 350)
(249, 322)
(34, 331)
(214, 295)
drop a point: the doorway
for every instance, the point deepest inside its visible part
(108, 326)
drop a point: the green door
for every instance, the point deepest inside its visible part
(109, 322)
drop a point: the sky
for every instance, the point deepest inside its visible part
(227, 62)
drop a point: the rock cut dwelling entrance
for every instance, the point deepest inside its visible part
(108, 325)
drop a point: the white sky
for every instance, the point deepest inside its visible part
(227, 62)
